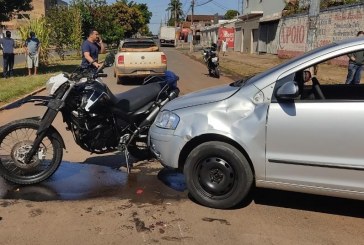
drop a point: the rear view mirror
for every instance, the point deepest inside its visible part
(110, 58)
(287, 91)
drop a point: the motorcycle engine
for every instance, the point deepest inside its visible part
(92, 124)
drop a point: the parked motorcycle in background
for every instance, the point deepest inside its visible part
(212, 60)
(31, 149)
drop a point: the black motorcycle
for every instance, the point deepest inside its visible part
(212, 61)
(31, 149)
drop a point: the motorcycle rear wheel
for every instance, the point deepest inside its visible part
(217, 72)
(16, 139)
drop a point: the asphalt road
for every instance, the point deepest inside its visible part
(95, 202)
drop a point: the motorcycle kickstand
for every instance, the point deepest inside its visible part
(124, 149)
(128, 166)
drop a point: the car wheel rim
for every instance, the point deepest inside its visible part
(216, 176)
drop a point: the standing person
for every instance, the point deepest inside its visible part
(91, 48)
(355, 65)
(8, 45)
(223, 47)
(219, 45)
(32, 45)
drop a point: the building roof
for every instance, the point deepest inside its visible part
(201, 17)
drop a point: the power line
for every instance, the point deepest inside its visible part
(201, 4)
(219, 5)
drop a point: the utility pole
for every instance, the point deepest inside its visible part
(192, 25)
(175, 22)
(313, 17)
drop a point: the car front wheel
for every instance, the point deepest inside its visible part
(218, 175)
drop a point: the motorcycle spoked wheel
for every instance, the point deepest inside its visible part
(139, 148)
(16, 140)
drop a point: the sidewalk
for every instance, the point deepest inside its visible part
(239, 64)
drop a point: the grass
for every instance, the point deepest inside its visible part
(21, 84)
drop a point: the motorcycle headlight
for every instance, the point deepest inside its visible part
(167, 120)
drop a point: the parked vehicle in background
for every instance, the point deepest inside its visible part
(167, 36)
(294, 127)
(211, 60)
(139, 58)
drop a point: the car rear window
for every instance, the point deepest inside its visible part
(139, 45)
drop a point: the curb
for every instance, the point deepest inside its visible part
(18, 102)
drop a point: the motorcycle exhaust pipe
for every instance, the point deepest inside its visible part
(155, 111)
(153, 114)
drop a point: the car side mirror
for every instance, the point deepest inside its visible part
(110, 58)
(287, 91)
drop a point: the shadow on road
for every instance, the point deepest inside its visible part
(130, 81)
(308, 202)
(23, 72)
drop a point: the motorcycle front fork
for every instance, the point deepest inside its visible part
(45, 123)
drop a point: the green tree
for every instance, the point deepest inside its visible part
(147, 15)
(87, 9)
(8, 7)
(231, 14)
(175, 8)
(106, 23)
(130, 18)
(66, 33)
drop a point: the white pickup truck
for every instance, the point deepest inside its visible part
(139, 58)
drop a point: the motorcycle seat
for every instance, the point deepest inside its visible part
(134, 99)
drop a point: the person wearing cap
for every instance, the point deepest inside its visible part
(32, 45)
(7, 45)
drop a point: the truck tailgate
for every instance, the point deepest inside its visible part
(142, 59)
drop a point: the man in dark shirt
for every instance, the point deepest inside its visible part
(8, 44)
(91, 48)
(355, 65)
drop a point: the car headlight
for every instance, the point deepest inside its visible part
(167, 120)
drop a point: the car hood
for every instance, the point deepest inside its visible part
(202, 97)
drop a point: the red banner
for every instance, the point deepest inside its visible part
(228, 34)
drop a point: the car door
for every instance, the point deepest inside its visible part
(316, 143)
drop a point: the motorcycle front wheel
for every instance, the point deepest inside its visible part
(16, 140)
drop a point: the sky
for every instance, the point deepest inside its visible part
(158, 8)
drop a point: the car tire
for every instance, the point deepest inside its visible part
(218, 175)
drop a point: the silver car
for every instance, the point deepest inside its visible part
(295, 127)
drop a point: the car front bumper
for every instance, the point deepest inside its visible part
(165, 145)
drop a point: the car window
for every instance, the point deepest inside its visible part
(140, 45)
(332, 80)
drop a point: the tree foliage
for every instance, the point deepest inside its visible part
(107, 24)
(175, 8)
(8, 7)
(231, 14)
(65, 28)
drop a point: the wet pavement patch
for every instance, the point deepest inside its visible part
(173, 179)
(72, 181)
